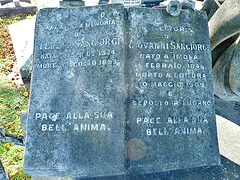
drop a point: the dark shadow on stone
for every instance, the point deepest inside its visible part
(210, 6)
(23, 119)
(228, 109)
(228, 170)
(26, 71)
(218, 51)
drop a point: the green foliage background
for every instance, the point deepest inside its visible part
(13, 100)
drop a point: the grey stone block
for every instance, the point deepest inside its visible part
(225, 81)
(171, 116)
(104, 81)
(71, 3)
(22, 35)
(17, 8)
(228, 170)
(76, 113)
(223, 25)
(3, 2)
(23, 119)
(228, 109)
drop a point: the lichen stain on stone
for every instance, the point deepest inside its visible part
(136, 149)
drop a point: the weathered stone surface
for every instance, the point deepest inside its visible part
(221, 75)
(77, 104)
(76, 113)
(23, 119)
(228, 133)
(225, 22)
(234, 74)
(228, 170)
(22, 35)
(219, 50)
(17, 8)
(71, 3)
(224, 30)
(228, 109)
(3, 2)
(228, 137)
(210, 6)
(103, 1)
(170, 117)
(150, 3)
(174, 7)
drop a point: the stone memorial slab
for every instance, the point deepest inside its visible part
(170, 119)
(71, 3)
(119, 92)
(228, 170)
(22, 35)
(17, 7)
(76, 114)
(103, 2)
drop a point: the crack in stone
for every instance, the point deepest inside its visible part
(92, 97)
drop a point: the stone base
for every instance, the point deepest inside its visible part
(228, 170)
(52, 178)
(3, 2)
(14, 8)
(71, 3)
(228, 138)
(18, 10)
(228, 109)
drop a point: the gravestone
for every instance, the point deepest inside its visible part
(113, 94)
(170, 119)
(71, 3)
(17, 7)
(103, 2)
(76, 113)
(22, 35)
(150, 3)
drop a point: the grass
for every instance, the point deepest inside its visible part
(13, 101)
